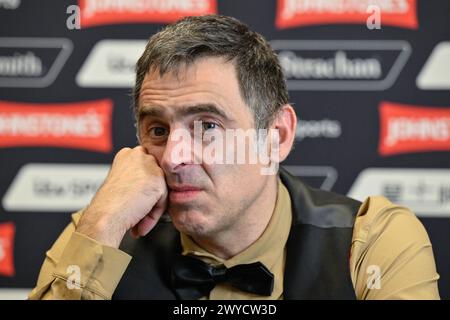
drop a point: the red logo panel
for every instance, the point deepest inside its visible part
(99, 12)
(81, 125)
(7, 231)
(300, 13)
(406, 129)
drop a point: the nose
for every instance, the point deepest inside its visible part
(181, 149)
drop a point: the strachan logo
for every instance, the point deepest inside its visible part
(407, 129)
(7, 231)
(104, 12)
(81, 125)
(341, 64)
(299, 13)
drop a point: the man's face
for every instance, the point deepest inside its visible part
(204, 198)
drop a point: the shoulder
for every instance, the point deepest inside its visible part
(377, 216)
(391, 245)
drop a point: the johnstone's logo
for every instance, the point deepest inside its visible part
(32, 62)
(81, 125)
(103, 12)
(293, 13)
(407, 129)
(7, 231)
(341, 65)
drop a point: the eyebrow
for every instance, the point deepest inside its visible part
(159, 112)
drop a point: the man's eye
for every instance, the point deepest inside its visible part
(158, 132)
(209, 125)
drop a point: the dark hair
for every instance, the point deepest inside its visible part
(260, 77)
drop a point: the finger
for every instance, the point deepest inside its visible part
(143, 227)
(163, 200)
(149, 222)
(134, 231)
(140, 148)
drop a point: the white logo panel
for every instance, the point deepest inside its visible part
(54, 187)
(425, 191)
(341, 64)
(111, 64)
(435, 74)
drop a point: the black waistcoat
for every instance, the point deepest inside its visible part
(317, 260)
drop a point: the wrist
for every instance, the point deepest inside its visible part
(101, 230)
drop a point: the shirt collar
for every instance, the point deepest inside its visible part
(267, 249)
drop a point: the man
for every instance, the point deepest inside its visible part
(235, 230)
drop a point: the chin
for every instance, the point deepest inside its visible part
(189, 222)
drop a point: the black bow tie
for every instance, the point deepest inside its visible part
(193, 278)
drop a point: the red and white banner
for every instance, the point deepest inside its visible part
(300, 13)
(407, 129)
(80, 125)
(7, 231)
(104, 12)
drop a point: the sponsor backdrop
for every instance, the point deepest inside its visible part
(373, 105)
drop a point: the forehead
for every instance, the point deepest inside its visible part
(210, 80)
(205, 69)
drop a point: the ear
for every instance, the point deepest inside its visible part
(286, 123)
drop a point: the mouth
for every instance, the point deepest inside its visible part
(183, 193)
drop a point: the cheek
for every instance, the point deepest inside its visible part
(234, 180)
(222, 178)
(156, 151)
